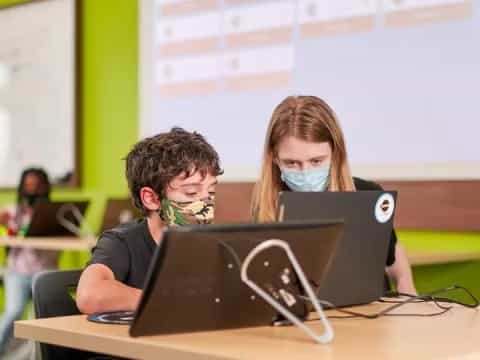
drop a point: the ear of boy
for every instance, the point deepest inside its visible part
(150, 199)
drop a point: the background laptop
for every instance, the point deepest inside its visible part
(194, 282)
(357, 274)
(118, 211)
(44, 220)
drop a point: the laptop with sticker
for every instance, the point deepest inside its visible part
(357, 274)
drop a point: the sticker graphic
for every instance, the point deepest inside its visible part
(384, 208)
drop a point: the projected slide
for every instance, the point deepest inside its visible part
(188, 35)
(195, 75)
(181, 7)
(414, 12)
(200, 49)
(258, 68)
(402, 76)
(324, 17)
(261, 24)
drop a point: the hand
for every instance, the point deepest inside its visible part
(406, 287)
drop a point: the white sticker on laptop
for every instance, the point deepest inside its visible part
(384, 208)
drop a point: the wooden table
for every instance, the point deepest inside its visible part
(454, 335)
(434, 257)
(50, 243)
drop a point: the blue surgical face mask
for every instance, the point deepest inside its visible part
(313, 179)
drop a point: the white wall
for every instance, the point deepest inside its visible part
(37, 89)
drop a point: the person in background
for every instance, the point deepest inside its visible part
(23, 263)
(305, 151)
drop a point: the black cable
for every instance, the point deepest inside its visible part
(387, 311)
(411, 299)
(428, 297)
(474, 305)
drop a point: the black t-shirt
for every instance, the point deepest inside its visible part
(127, 250)
(365, 185)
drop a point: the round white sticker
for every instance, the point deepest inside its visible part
(384, 208)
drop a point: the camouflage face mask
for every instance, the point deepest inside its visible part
(176, 213)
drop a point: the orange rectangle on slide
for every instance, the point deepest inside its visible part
(189, 47)
(336, 27)
(259, 81)
(175, 8)
(193, 88)
(430, 14)
(259, 38)
(239, 2)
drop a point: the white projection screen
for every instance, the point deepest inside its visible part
(402, 75)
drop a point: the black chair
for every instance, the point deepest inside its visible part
(51, 297)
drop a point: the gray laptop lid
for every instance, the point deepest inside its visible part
(357, 274)
(194, 282)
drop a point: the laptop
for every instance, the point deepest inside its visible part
(45, 218)
(357, 274)
(118, 211)
(194, 280)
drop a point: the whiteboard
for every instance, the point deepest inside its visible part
(402, 76)
(37, 89)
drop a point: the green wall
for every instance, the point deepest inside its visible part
(109, 126)
(432, 277)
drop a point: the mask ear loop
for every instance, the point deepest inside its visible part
(328, 334)
(69, 225)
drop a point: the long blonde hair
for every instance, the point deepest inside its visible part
(310, 119)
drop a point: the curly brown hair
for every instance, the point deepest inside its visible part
(155, 161)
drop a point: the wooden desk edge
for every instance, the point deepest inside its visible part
(50, 243)
(25, 329)
(67, 332)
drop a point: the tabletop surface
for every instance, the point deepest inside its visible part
(455, 334)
